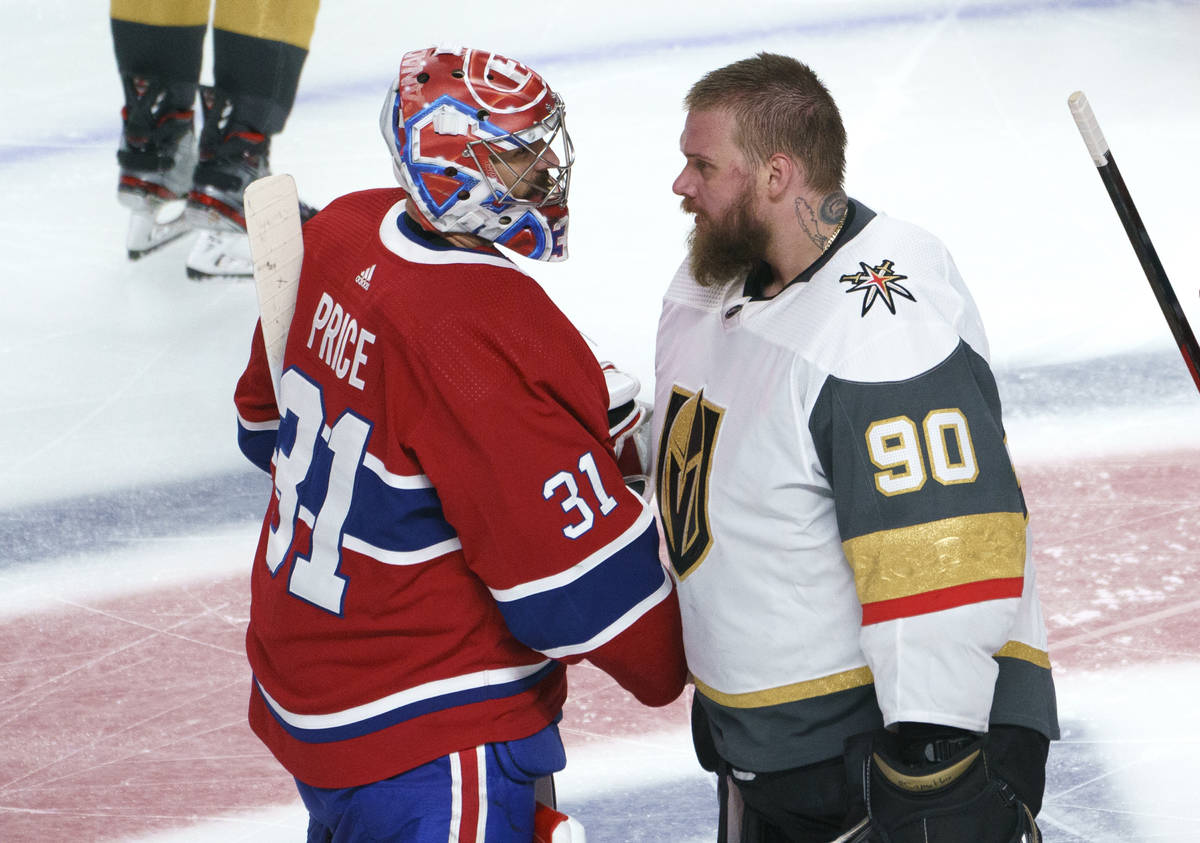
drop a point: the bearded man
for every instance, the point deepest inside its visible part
(860, 611)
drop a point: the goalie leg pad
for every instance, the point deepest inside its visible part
(960, 798)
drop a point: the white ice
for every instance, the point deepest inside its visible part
(114, 374)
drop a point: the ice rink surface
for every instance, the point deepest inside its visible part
(127, 515)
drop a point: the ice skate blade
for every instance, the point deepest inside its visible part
(150, 230)
(220, 254)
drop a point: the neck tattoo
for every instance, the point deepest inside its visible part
(833, 207)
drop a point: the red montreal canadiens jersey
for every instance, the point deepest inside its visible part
(448, 524)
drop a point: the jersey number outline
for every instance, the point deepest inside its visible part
(894, 446)
(315, 578)
(587, 465)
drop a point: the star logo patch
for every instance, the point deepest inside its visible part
(877, 283)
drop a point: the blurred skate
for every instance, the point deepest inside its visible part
(232, 154)
(149, 229)
(156, 158)
(220, 254)
(226, 254)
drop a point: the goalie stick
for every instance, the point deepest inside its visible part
(276, 251)
(1138, 237)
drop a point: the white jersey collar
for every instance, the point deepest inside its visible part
(394, 235)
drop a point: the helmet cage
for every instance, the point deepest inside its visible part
(545, 143)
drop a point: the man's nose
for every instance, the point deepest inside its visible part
(682, 184)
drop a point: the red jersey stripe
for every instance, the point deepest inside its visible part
(942, 598)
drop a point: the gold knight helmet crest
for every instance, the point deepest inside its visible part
(689, 437)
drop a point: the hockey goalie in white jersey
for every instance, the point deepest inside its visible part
(842, 517)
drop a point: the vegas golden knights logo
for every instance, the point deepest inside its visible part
(684, 462)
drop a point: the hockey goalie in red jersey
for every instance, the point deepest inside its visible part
(449, 526)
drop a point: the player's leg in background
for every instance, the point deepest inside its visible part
(259, 49)
(159, 47)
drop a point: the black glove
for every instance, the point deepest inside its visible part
(930, 743)
(932, 784)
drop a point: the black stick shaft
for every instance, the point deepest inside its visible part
(1140, 240)
(1151, 265)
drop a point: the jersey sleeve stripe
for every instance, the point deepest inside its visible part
(1024, 652)
(806, 690)
(257, 446)
(407, 704)
(619, 625)
(401, 557)
(249, 425)
(945, 598)
(937, 555)
(397, 520)
(556, 581)
(257, 440)
(396, 481)
(587, 610)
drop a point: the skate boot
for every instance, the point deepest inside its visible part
(156, 158)
(232, 154)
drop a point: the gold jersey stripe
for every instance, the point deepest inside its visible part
(289, 21)
(856, 678)
(1017, 650)
(161, 12)
(938, 554)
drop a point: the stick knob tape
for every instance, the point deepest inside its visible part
(1088, 127)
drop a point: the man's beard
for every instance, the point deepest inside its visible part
(727, 249)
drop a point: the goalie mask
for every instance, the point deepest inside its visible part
(480, 145)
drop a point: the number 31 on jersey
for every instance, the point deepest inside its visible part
(573, 502)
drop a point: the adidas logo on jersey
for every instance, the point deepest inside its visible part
(363, 279)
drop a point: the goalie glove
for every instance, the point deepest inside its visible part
(628, 422)
(934, 784)
(628, 426)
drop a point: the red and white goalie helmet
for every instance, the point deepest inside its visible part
(480, 144)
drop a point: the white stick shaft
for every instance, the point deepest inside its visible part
(1088, 127)
(277, 250)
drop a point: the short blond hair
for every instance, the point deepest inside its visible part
(779, 105)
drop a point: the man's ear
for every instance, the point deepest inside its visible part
(782, 173)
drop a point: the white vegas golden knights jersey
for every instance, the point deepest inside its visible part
(848, 535)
